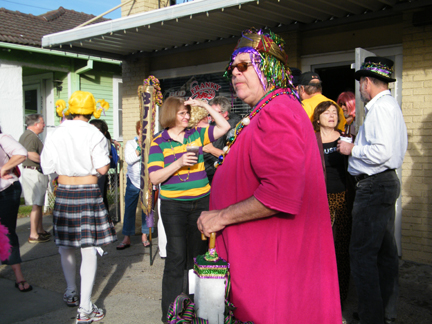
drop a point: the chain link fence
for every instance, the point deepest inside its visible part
(113, 194)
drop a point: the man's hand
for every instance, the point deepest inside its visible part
(243, 211)
(210, 222)
(344, 147)
(209, 148)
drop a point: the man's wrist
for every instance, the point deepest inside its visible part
(352, 149)
(223, 216)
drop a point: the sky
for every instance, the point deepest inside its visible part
(94, 7)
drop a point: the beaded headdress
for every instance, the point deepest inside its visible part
(268, 58)
(377, 67)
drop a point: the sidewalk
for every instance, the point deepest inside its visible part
(126, 286)
(129, 289)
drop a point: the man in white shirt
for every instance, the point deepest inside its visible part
(378, 150)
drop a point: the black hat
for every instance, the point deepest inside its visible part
(295, 76)
(307, 77)
(377, 67)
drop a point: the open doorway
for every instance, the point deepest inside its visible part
(336, 79)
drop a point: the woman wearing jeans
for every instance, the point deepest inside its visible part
(133, 160)
(184, 189)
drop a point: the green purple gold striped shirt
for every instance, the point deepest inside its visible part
(188, 183)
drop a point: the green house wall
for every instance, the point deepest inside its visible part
(98, 81)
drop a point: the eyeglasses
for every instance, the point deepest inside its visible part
(183, 114)
(342, 104)
(241, 67)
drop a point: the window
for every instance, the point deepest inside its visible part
(117, 110)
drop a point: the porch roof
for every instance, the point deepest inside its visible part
(199, 22)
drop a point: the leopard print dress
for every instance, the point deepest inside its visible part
(341, 224)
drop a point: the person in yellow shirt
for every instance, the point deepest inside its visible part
(310, 91)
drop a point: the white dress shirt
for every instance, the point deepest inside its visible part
(75, 149)
(382, 140)
(134, 163)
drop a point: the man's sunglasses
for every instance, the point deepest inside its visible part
(241, 67)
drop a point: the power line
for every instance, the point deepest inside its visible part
(23, 4)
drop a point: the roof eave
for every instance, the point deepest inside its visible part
(138, 20)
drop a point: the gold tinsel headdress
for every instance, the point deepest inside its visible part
(268, 58)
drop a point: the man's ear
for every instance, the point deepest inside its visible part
(225, 114)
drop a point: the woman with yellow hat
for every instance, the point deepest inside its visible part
(78, 153)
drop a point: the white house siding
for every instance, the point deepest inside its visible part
(11, 99)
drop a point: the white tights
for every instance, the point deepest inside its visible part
(87, 271)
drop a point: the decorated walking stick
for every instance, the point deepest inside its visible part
(150, 97)
(210, 284)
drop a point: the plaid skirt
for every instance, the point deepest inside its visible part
(80, 218)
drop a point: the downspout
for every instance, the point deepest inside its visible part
(86, 68)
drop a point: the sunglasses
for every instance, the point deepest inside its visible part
(241, 67)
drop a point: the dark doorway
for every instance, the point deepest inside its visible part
(30, 101)
(336, 79)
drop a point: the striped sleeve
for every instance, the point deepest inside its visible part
(206, 134)
(156, 157)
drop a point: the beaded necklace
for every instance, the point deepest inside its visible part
(242, 124)
(175, 159)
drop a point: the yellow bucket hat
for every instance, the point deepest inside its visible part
(81, 103)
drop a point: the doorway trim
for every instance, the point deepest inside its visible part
(394, 52)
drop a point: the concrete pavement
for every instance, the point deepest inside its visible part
(126, 286)
(129, 289)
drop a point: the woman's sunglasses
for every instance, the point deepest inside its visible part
(241, 67)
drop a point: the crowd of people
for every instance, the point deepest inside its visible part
(293, 182)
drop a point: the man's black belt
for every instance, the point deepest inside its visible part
(361, 177)
(33, 168)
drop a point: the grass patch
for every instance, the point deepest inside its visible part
(24, 211)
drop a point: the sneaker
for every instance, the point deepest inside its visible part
(94, 316)
(71, 300)
(39, 239)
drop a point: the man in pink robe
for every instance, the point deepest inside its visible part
(268, 199)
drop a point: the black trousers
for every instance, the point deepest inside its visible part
(183, 244)
(9, 202)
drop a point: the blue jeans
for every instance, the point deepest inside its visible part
(9, 202)
(131, 201)
(183, 244)
(373, 252)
